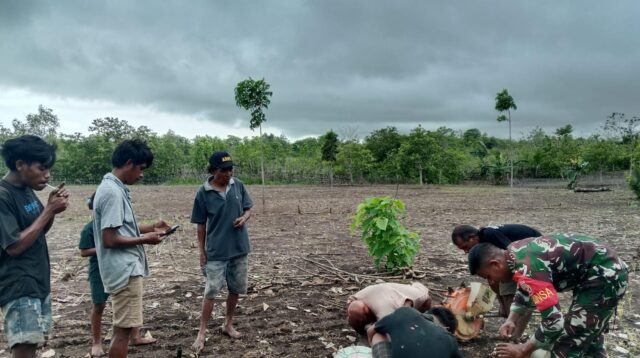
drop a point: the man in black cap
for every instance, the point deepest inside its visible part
(221, 209)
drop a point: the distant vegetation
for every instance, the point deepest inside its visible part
(442, 156)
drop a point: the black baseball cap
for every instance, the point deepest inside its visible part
(220, 160)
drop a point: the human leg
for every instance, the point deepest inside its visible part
(27, 322)
(594, 302)
(215, 276)
(236, 276)
(96, 330)
(127, 313)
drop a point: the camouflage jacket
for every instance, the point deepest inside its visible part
(546, 265)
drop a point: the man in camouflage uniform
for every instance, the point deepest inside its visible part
(544, 266)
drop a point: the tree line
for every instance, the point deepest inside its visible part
(441, 156)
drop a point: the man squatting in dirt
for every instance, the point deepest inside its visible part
(465, 237)
(119, 240)
(99, 298)
(25, 276)
(221, 209)
(544, 266)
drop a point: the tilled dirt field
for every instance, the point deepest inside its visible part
(305, 264)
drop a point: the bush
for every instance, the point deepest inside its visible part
(385, 237)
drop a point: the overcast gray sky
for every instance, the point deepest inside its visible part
(346, 65)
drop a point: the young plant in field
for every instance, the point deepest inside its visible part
(385, 237)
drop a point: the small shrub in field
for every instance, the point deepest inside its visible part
(385, 237)
(634, 180)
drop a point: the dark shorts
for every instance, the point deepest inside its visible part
(233, 271)
(27, 320)
(98, 296)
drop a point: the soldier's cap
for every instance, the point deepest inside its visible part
(220, 160)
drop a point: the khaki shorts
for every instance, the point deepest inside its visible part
(127, 304)
(508, 288)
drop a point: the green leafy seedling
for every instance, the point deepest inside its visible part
(383, 234)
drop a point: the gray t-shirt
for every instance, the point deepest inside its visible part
(223, 241)
(112, 209)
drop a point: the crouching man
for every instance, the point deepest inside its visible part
(544, 266)
(377, 301)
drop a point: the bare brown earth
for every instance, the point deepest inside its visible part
(305, 263)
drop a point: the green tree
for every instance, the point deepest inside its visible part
(254, 95)
(415, 152)
(111, 128)
(329, 151)
(505, 103)
(354, 159)
(44, 124)
(383, 142)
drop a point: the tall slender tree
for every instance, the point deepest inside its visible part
(254, 95)
(505, 103)
(329, 151)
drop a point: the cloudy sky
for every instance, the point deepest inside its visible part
(353, 66)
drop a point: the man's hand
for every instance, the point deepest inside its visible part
(203, 259)
(507, 328)
(161, 226)
(239, 222)
(508, 350)
(58, 200)
(152, 238)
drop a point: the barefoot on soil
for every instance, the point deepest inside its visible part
(97, 351)
(230, 331)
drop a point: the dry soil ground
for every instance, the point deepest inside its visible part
(295, 304)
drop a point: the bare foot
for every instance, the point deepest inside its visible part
(96, 350)
(198, 345)
(230, 331)
(142, 341)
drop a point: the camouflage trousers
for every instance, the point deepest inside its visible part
(594, 302)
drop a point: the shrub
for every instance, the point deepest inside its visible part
(385, 237)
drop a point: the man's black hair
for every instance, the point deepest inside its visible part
(446, 317)
(480, 255)
(30, 149)
(464, 232)
(135, 150)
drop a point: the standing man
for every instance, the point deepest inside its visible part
(25, 277)
(465, 237)
(544, 266)
(221, 209)
(119, 240)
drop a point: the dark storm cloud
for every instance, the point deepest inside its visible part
(335, 64)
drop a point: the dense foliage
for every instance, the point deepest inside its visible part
(441, 156)
(383, 234)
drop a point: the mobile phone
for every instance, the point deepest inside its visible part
(170, 230)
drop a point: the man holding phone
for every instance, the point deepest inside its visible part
(25, 274)
(221, 209)
(119, 240)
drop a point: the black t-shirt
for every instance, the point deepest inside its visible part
(28, 274)
(413, 335)
(503, 235)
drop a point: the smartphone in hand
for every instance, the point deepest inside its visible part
(171, 230)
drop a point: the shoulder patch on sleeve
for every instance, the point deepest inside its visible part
(542, 293)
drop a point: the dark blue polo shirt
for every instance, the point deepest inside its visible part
(218, 211)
